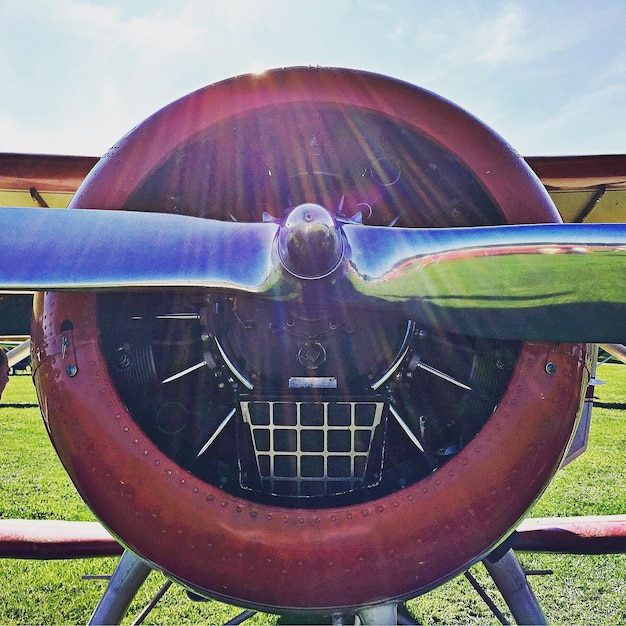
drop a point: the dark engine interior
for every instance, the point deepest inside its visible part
(309, 403)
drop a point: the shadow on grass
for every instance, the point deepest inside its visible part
(27, 405)
(617, 406)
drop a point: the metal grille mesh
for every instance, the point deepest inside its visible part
(314, 448)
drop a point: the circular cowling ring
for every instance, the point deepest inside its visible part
(308, 560)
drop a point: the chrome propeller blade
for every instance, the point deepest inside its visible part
(544, 282)
(72, 249)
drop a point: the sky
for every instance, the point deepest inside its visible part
(548, 75)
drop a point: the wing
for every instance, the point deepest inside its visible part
(583, 188)
(589, 189)
(41, 180)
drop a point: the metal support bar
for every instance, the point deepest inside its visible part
(591, 205)
(617, 350)
(486, 599)
(509, 577)
(19, 353)
(241, 618)
(130, 573)
(382, 615)
(148, 608)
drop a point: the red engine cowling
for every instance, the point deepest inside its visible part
(304, 456)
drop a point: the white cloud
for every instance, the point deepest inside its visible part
(503, 38)
(80, 71)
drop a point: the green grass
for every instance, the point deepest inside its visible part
(583, 589)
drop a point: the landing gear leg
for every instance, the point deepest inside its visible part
(385, 614)
(509, 577)
(130, 573)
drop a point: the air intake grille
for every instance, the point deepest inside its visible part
(308, 449)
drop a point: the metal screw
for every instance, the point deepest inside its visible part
(550, 367)
(71, 370)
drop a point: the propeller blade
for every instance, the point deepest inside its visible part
(544, 282)
(77, 249)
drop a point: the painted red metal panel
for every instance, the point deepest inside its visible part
(44, 172)
(580, 172)
(600, 534)
(52, 539)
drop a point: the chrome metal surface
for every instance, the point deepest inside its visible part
(314, 448)
(617, 350)
(511, 580)
(416, 362)
(309, 242)
(231, 366)
(80, 250)
(130, 573)
(406, 344)
(19, 353)
(544, 282)
(184, 372)
(217, 432)
(384, 614)
(409, 433)
(312, 382)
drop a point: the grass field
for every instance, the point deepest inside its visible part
(582, 590)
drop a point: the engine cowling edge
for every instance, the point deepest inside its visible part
(395, 547)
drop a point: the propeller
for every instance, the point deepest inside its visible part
(539, 282)
(87, 250)
(542, 282)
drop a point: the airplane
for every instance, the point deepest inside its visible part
(317, 324)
